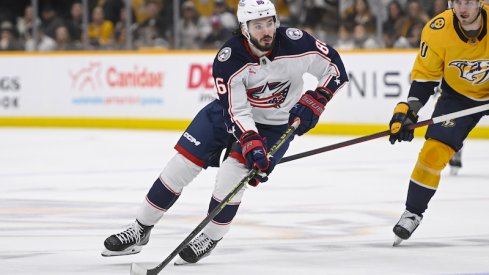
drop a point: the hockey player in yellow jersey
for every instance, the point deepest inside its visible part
(454, 50)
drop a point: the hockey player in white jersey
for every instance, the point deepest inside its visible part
(258, 78)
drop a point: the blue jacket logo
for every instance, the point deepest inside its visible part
(270, 95)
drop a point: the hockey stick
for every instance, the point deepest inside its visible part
(433, 120)
(139, 270)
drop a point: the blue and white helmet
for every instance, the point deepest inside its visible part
(255, 9)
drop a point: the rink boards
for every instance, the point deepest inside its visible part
(165, 89)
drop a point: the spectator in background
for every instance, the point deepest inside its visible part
(438, 7)
(100, 30)
(11, 9)
(155, 31)
(363, 39)
(8, 41)
(50, 20)
(392, 39)
(415, 15)
(414, 35)
(297, 16)
(318, 21)
(44, 42)
(63, 40)
(74, 22)
(139, 8)
(218, 35)
(314, 11)
(120, 39)
(112, 9)
(120, 34)
(193, 27)
(360, 14)
(395, 17)
(345, 40)
(226, 15)
(26, 23)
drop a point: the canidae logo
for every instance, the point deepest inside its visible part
(87, 77)
(95, 76)
(473, 71)
(191, 139)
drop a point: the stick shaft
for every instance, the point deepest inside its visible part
(434, 120)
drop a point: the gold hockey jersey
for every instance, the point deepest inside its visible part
(447, 53)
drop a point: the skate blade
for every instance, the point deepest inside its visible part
(181, 261)
(397, 241)
(128, 251)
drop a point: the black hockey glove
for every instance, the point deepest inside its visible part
(403, 115)
(308, 109)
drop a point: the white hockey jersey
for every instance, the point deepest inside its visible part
(263, 90)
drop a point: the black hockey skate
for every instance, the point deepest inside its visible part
(197, 249)
(129, 241)
(405, 226)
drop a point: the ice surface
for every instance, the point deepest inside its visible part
(63, 191)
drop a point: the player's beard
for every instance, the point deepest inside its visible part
(264, 48)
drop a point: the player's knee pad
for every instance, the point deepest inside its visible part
(230, 173)
(433, 157)
(178, 173)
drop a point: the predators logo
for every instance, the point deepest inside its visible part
(476, 72)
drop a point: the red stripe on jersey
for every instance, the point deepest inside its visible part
(189, 156)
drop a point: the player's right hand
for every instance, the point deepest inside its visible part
(308, 109)
(254, 150)
(403, 115)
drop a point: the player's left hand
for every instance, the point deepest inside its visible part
(403, 115)
(262, 176)
(308, 109)
(253, 148)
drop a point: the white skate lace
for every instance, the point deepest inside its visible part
(201, 244)
(132, 233)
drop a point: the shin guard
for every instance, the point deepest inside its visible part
(229, 175)
(177, 174)
(432, 159)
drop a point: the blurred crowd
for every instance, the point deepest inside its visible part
(204, 24)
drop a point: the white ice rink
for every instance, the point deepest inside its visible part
(63, 191)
